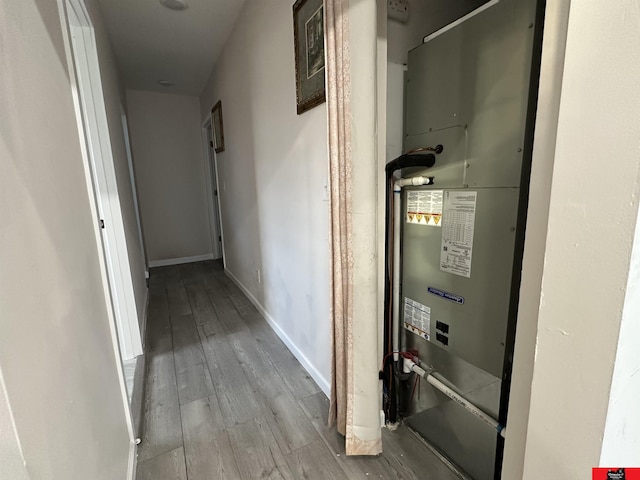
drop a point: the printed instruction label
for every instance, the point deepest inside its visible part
(424, 207)
(457, 232)
(417, 318)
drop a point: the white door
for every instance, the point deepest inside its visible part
(94, 131)
(216, 224)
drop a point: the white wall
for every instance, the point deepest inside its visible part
(57, 351)
(166, 141)
(271, 178)
(553, 49)
(587, 258)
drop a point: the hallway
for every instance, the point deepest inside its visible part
(225, 399)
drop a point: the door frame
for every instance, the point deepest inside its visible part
(95, 145)
(134, 190)
(94, 131)
(212, 184)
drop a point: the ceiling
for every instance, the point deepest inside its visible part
(153, 43)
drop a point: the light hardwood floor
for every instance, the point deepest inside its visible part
(225, 399)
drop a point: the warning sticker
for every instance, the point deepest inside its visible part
(417, 318)
(457, 232)
(424, 207)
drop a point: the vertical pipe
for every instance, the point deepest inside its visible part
(397, 190)
(397, 222)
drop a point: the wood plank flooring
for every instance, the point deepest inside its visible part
(225, 399)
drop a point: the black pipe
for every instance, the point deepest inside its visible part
(423, 159)
(417, 159)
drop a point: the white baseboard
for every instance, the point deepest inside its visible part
(178, 261)
(322, 382)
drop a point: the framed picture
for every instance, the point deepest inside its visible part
(308, 36)
(218, 130)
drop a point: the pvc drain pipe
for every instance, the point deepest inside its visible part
(397, 222)
(423, 158)
(411, 366)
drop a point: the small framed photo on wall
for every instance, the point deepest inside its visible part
(218, 130)
(308, 36)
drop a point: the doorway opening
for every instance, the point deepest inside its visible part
(215, 216)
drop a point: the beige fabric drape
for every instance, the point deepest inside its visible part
(351, 103)
(341, 252)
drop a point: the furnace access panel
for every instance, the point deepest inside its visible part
(467, 90)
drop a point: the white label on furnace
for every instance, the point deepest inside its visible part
(417, 318)
(424, 207)
(457, 232)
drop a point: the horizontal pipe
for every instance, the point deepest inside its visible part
(413, 181)
(415, 159)
(453, 395)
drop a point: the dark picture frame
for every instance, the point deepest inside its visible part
(308, 37)
(217, 126)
